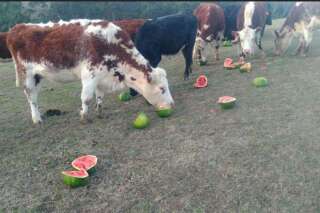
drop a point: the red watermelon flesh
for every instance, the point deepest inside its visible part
(226, 99)
(201, 82)
(78, 174)
(228, 61)
(85, 162)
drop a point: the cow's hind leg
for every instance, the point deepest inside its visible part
(300, 46)
(87, 93)
(31, 90)
(99, 98)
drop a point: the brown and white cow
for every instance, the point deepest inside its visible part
(211, 25)
(97, 52)
(251, 22)
(302, 19)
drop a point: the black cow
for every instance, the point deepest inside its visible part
(230, 14)
(167, 35)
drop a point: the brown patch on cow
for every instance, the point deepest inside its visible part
(212, 15)
(131, 26)
(259, 17)
(63, 46)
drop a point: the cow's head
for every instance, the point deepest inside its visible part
(282, 40)
(246, 37)
(153, 86)
(198, 50)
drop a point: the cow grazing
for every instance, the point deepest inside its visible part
(211, 26)
(4, 52)
(251, 22)
(97, 52)
(302, 19)
(167, 35)
(131, 26)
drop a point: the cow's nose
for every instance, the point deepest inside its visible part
(246, 51)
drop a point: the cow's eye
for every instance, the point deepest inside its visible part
(132, 79)
(163, 90)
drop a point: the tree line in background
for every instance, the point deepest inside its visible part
(12, 13)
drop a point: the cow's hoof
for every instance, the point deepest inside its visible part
(37, 123)
(84, 119)
(99, 115)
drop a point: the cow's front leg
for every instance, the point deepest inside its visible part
(88, 88)
(300, 46)
(31, 90)
(187, 53)
(217, 56)
(99, 98)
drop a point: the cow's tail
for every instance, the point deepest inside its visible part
(18, 73)
(18, 80)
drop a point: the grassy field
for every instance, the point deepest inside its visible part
(261, 156)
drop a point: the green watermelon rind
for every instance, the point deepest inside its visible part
(202, 63)
(141, 115)
(124, 96)
(260, 82)
(163, 113)
(75, 181)
(229, 104)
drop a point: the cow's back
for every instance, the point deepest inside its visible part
(169, 33)
(59, 45)
(259, 16)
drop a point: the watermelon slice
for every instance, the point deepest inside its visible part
(228, 64)
(164, 112)
(201, 82)
(227, 102)
(245, 68)
(75, 178)
(86, 162)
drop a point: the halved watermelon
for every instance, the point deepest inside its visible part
(75, 178)
(201, 82)
(86, 162)
(227, 102)
(228, 64)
